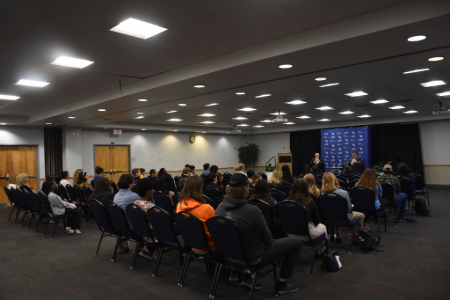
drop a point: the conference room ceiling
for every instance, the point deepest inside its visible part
(202, 37)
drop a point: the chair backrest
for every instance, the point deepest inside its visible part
(80, 195)
(177, 180)
(176, 199)
(250, 193)
(388, 192)
(285, 188)
(405, 186)
(62, 191)
(334, 207)
(87, 193)
(266, 210)
(342, 184)
(227, 238)
(119, 218)
(208, 200)
(21, 198)
(220, 200)
(293, 218)
(28, 201)
(278, 195)
(263, 175)
(192, 231)
(71, 193)
(351, 183)
(45, 204)
(102, 217)
(36, 202)
(319, 182)
(226, 179)
(9, 195)
(16, 198)
(213, 194)
(139, 221)
(363, 198)
(114, 186)
(163, 201)
(162, 223)
(419, 183)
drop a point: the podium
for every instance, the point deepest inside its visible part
(285, 159)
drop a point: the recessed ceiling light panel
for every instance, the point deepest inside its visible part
(175, 120)
(72, 62)
(243, 125)
(287, 66)
(71, 117)
(32, 83)
(410, 112)
(263, 96)
(380, 101)
(240, 93)
(346, 112)
(356, 94)
(321, 78)
(324, 120)
(143, 129)
(181, 104)
(444, 94)
(239, 118)
(172, 111)
(417, 38)
(199, 86)
(247, 109)
(303, 117)
(330, 84)
(212, 104)
(325, 108)
(396, 107)
(48, 123)
(139, 29)
(416, 71)
(2, 123)
(140, 117)
(206, 115)
(364, 116)
(278, 113)
(438, 58)
(101, 109)
(207, 122)
(140, 113)
(143, 100)
(8, 97)
(295, 102)
(266, 121)
(258, 126)
(432, 83)
(289, 123)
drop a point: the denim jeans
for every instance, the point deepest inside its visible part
(401, 201)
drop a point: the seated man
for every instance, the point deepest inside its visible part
(186, 173)
(250, 173)
(215, 169)
(400, 198)
(142, 173)
(192, 167)
(136, 174)
(255, 178)
(98, 172)
(316, 164)
(206, 168)
(259, 244)
(355, 159)
(212, 181)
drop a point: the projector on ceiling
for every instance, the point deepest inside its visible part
(279, 119)
(441, 110)
(235, 129)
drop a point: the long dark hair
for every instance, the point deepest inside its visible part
(165, 183)
(286, 172)
(161, 172)
(403, 169)
(81, 178)
(305, 169)
(47, 186)
(300, 193)
(102, 184)
(262, 192)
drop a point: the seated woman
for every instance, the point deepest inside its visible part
(64, 178)
(76, 174)
(82, 182)
(103, 191)
(275, 180)
(161, 172)
(191, 200)
(314, 194)
(330, 185)
(262, 192)
(300, 194)
(368, 180)
(22, 182)
(305, 170)
(287, 176)
(240, 168)
(12, 181)
(166, 186)
(404, 171)
(61, 207)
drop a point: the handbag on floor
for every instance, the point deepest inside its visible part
(331, 262)
(420, 207)
(369, 239)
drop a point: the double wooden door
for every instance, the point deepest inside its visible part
(115, 160)
(16, 160)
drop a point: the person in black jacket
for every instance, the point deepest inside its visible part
(259, 243)
(316, 164)
(212, 181)
(103, 191)
(354, 160)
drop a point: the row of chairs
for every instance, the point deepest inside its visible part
(78, 196)
(34, 204)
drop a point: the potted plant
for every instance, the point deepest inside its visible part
(269, 171)
(249, 155)
(378, 169)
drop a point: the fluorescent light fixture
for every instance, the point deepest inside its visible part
(175, 130)
(364, 116)
(432, 83)
(444, 94)
(181, 104)
(172, 111)
(247, 109)
(212, 104)
(206, 115)
(266, 121)
(346, 112)
(323, 120)
(380, 101)
(289, 123)
(175, 120)
(410, 112)
(325, 108)
(140, 117)
(143, 129)
(278, 113)
(321, 78)
(356, 94)
(330, 84)
(303, 117)
(143, 100)
(287, 66)
(438, 58)
(2, 123)
(71, 117)
(140, 113)
(295, 102)
(101, 109)
(72, 62)
(239, 118)
(416, 71)
(240, 93)
(396, 107)
(203, 131)
(258, 126)
(417, 38)
(199, 86)
(8, 97)
(243, 125)
(32, 83)
(207, 122)
(139, 29)
(48, 123)
(263, 96)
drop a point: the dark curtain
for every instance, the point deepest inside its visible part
(397, 143)
(53, 151)
(304, 144)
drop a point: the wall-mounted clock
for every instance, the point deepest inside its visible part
(192, 138)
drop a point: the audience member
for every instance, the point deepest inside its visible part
(312, 188)
(305, 170)
(215, 169)
(400, 198)
(368, 180)
(260, 247)
(64, 178)
(103, 191)
(330, 185)
(12, 181)
(300, 194)
(250, 173)
(161, 172)
(206, 169)
(82, 180)
(142, 172)
(261, 191)
(61, 207)
(255, 178)
(191, 200)
(275, 180)
(125, 196)
(22, 182)
(240, 168)
(136, 175)
(287, 176)
(212, 181)
(182, 183)
(186, 166)
(186, 172)
(152, 176)
(166, 186)
(192, 167)
(98, 172)
(76, 174)
(404, 171)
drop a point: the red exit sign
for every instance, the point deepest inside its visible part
(117, 131)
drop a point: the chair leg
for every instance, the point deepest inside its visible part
(214, 279)
(253, 285)
(133, 262)
(98, 247)
(158, 261)
(119, 240)
(313, 259)
(396, 215)
(351, 242)
(31, 218)
(326, 246)
(23, 218)
(378, 225)
(37, 224)
(45, 229)
(275, 279)
(54, 229)
(385, 223)
(13, 207)
(216, 282)
(184, 270)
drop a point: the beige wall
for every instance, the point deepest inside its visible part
(439, 175)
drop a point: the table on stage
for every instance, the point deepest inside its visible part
(336, 169)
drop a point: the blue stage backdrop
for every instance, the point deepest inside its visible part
(338, 144)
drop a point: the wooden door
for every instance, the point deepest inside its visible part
(4, 172)
(120, 161)
(103, 159)
(23, 160)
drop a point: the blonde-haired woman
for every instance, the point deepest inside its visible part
(240, 168)
(76, 174)
(330, 185)
(276, 178)
(312, 188)
(22, 182)
(12, 181)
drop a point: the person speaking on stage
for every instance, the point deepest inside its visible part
(316, 164)
(354, 160)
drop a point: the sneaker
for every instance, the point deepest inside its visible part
(146, 254)
(247, 281)
(67, 229)
(285, 288)
(77, 231)
(233, 277)
(70, 231)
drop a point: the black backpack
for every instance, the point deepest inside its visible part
(369, 239)
(420, 206)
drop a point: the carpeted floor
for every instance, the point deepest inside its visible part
(414, 265)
